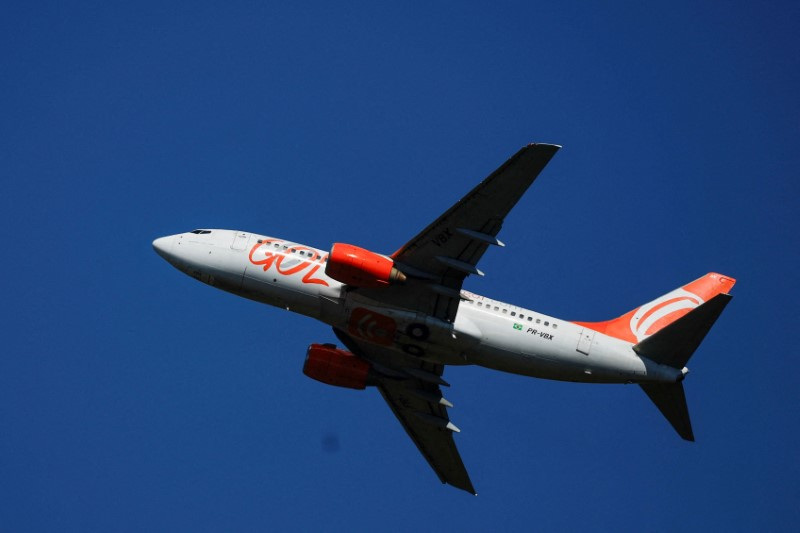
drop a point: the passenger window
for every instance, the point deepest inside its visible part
(555, 326)
(505, 311)
(538, 320)
(546, 323)
(530, 318)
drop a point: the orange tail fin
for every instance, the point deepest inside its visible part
(635, 326)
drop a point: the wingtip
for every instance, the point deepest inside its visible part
(466, 487)
(549, 145)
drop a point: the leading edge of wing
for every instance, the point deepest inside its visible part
(418, 405)
(532, 157)
(524, 167)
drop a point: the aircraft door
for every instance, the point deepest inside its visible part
(240, 239)
(585, 341)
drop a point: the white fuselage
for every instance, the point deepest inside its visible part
(485, 332)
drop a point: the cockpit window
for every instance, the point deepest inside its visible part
(200, 232)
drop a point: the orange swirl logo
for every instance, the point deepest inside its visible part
(653, 316)
(372, 326)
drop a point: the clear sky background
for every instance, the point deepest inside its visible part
(133, 398)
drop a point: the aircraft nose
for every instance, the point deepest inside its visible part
(163, 246)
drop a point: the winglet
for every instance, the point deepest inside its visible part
(554, 146)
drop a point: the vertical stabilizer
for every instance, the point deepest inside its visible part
(638, 324)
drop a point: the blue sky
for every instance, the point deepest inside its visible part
(133, 398)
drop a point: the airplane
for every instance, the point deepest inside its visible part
(402, 318)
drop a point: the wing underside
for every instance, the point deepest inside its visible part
(440, 257)
(411, 388)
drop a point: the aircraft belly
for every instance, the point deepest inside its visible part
(549, 367)
(406, 331)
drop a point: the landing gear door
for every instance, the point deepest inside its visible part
(585, 341)
(240, 239)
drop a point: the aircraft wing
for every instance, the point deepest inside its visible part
(439, 258)
(411, 388)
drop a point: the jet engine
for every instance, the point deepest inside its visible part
(328, 364)
(361, 268)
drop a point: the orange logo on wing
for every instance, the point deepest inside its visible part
(372, 326)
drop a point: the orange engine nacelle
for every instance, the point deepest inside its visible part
(361, 268)
(328, 364)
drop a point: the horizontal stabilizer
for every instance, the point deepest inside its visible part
(674, 344)
(671, 401)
